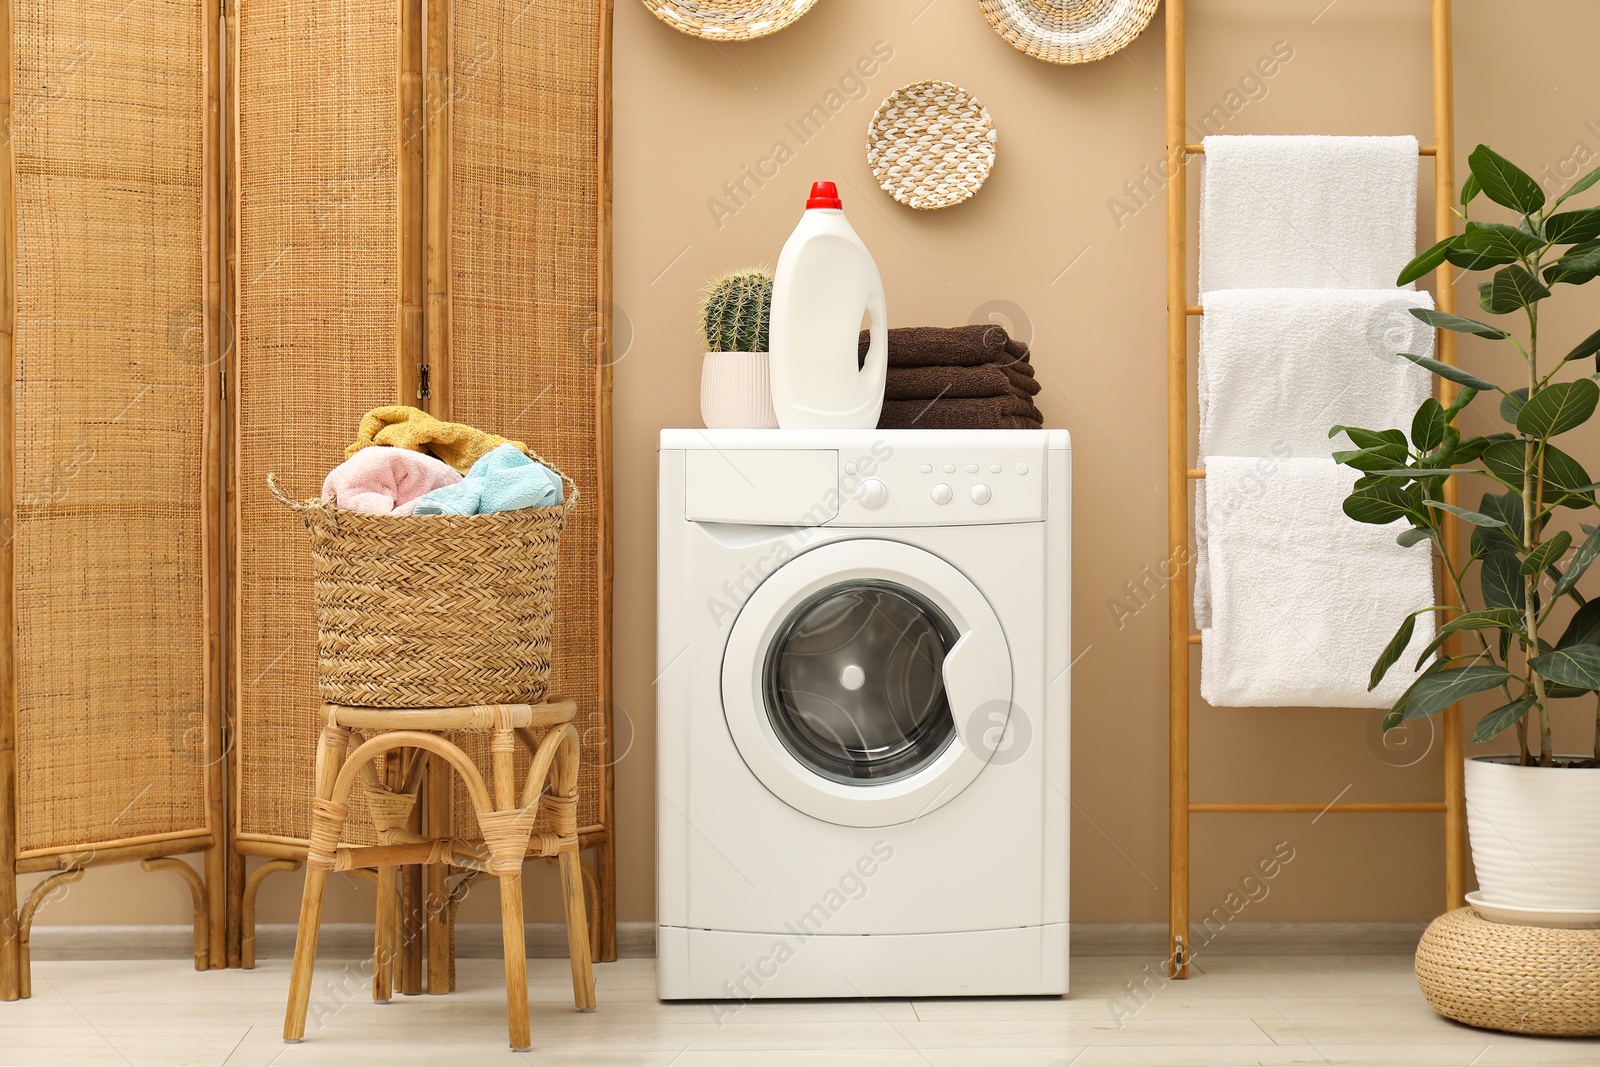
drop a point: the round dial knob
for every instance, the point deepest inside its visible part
(980, 494)
(872, 493)
(852, 677)
(941, 494)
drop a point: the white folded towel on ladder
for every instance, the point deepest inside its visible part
(1304, 598)
(1279, 367)
(1307, 212)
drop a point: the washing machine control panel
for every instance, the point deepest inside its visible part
(885, 487)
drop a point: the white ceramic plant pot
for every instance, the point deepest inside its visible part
(736, 391)
(1535, 835)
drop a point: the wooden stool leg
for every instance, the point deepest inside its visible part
(516, 961)
(326, 825)
(577, 932)
(385, 939)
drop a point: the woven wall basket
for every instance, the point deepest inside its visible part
(728, 20)
(1520, 979)
(432, 611)
(931, 144)
(1069, 31)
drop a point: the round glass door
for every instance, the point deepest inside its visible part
(854, 682)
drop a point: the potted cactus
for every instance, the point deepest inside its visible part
(1528, 634)
(735, 390)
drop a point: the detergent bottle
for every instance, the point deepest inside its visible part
(825, 281)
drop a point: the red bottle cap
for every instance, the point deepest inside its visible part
(824, 194)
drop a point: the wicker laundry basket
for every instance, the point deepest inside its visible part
(433, 611)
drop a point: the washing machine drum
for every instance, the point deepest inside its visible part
(867, 682)
(855, 682)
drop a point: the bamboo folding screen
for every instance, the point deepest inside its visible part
(165, 354)
(1180, 475)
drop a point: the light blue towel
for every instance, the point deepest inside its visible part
(502, 480)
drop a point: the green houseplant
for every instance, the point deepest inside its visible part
(735, 389)
(1528, 631)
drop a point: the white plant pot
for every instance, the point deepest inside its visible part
(736, 391)
(1535, 835)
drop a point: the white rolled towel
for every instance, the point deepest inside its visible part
(1307, 212)
(1278, 367)
(1304, 598)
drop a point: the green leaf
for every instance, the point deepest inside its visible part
(1511, 404)
(1393, 651)
(1469, 192)
(1547, 554)
(1487, 619)
(1467, 259)
(1468, 449)
(1583, 628)
(1589, 346)
(1501, 578)
(1504, 182)
(1498, 239)
(1380, 504)
(1573, 227)
(1449, 373)
(1557, 408)
(1573, 269)
(1578, 187)
(1477, 518)
(1371, 438)
(1459, 404)
(1425, 263)
(1433, 693)
(1501, 719)
(1562, 473)
(1413, 536)
(1575, 665)
(1370, 460)
(1580, 562)
(1512, 289)
(1460, 324)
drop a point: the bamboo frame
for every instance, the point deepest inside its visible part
(1179, 474)
(157, 851)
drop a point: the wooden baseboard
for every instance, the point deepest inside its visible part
(637, 940)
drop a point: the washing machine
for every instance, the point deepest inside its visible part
(864, 665)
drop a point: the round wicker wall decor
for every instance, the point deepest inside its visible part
(931, 144)
(1520, 979)
(728, 20)
(1069, 31)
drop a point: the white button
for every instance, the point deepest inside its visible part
(852, 677)
(972, 468)
(949, 468)
(980, 494)
(872, 493)
(849, 468)
(941, 494)
(927, 468)
(1022, 468)
(994, 468)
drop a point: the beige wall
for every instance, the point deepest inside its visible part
(1088, 283)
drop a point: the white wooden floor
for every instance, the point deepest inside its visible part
(1347, 1009)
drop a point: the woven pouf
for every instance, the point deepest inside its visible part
(1520, 979)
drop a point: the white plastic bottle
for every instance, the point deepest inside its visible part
(825, 281)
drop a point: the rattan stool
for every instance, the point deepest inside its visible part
(507, 824)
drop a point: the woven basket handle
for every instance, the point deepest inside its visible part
(313, 510)
(569, 488)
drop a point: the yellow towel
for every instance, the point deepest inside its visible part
(403, 427)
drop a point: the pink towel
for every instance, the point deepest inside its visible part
(386, 481)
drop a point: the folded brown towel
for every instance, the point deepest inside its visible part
(969, 413)
(937, 383)
(950, 346)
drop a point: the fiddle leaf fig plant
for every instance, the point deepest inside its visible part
(1524, 569)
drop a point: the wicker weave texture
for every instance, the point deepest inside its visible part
(318, 297)
(524, 248)
(1521, 979)
(728, 20)
(432, 611)
(109, 408)
(931, 144)
(1069, 31)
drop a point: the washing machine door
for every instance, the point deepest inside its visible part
(866, 682)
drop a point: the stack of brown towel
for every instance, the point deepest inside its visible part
(957, 378)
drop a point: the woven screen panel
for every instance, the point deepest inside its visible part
(109, 416)
(524, 261)
(318, 275)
